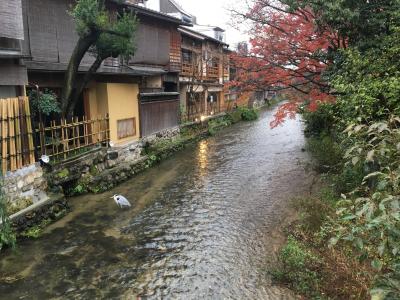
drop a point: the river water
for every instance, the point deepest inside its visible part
(201, 226)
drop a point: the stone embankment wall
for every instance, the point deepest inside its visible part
(24, 187)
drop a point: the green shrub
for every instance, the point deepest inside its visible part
(348, 179)
(319, 122)
(298, 268)
(7, 236)
(45, 103)
(326, 153)
(217, 124)
(315, 211)
(248, 114)
(235, 116)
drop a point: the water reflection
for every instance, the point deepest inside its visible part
(202, 156)
(200, 227)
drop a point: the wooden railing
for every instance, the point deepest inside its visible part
(63, 139)
(213, 72)
(187, 69)
(17, 149)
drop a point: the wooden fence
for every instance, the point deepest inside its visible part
(17, 149)
(63, 139)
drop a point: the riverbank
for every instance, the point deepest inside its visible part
(344, 244)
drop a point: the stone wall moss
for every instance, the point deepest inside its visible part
(64, 173)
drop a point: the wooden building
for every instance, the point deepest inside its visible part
(13, 74)
(205, 70)
(140, 95)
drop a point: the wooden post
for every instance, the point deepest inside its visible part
(11, 135)
(62, 136)
(24, 133)
(54, 146)
(18, 133)
(29, 131)
(4, 135)
(107, 129)
(78, 142)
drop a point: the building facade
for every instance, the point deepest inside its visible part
(139, 95)
(205, 70)
(13, 73)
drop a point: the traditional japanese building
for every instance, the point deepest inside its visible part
(139, 95)
(13, 73)
(205, 65)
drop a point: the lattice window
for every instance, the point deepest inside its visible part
(126, 128)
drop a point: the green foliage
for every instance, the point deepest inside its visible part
(363, 23)
(217, 124)
(115, 32)
(369, 217)
(120, 44)
(248, 114)
(235, 116)
(369, 83)
(387, 286)
(319, 122)
(7, 236)
(36, 231)
(79, 189)
(347, 179)
(357, 139)
(89, 14)
(326, 153)
(315, 211)
(45, 104)
(298, 269)
(64, 173)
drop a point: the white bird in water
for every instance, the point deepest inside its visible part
(121, 201)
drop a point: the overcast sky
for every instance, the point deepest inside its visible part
(215, 12)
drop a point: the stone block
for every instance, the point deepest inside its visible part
(29, 179)
(27, 187)
(20, 183)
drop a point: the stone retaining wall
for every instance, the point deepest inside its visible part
(24, 187)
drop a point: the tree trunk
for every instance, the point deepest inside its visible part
(82, 84)
(82, 46)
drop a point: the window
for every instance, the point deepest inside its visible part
(187, 56)
(126, 128)
(10, 44)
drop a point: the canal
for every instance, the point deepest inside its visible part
(202, 226)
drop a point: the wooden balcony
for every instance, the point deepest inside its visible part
(187, 69)
(212, 72)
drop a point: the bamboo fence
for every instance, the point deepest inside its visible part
(17, 149)
(65, 138)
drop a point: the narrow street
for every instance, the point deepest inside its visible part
(201, 226)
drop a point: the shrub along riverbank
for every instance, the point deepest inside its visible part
(346, 242)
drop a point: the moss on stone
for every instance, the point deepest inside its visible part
(64, 173)
(18, 205)
(36, 230)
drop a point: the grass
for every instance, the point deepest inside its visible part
(299, 269)
(306, 263)
(309, 267)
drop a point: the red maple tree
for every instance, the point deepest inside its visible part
(289, 53)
